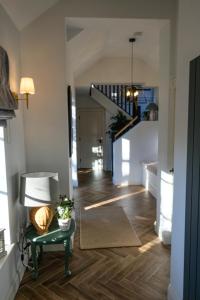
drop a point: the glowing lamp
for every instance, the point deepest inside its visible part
(26, 88)
(39, 191)
(136, 93)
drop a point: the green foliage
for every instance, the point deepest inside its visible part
(145, 115)
(64, 209)
(119, 121)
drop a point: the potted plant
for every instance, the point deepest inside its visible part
(118, 122)
(64, 213)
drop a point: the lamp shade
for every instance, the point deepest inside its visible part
(39, 189)
(27, 86)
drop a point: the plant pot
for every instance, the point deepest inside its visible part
(64, 224)
(153, 115)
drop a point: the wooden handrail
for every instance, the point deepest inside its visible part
(125, 127)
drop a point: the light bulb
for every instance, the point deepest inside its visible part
(136, 93)
(128, 93)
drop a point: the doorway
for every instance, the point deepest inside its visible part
(90, 141)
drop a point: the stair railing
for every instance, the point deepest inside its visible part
(124, 129)
(117, 93)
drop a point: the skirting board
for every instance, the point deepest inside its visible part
(172, 294)
(153, 190)
(17, 280)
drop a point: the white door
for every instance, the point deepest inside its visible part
(90, 132)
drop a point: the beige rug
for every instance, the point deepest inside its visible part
(106, 227)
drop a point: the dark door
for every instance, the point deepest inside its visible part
(192, 230)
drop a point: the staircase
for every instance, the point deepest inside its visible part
(117, 93)
(113, 97)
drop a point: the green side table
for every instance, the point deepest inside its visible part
(54, 236)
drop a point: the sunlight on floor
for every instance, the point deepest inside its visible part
(85, 171)
(114, 199)
(149, 245)
(124, 184)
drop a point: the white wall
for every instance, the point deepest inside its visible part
(136, 146)
(85, 49)
(117, 70)
(46, 121)
(165, 151)
(85, 101)
(11, 273)
(108, 144)
(188, 48)
(149, 178)
(15, 162)
(43, 53)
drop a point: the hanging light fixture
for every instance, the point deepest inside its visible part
(132, 91)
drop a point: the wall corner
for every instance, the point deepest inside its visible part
(172, 294)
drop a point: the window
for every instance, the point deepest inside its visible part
(4, 214)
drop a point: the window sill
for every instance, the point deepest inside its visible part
(3, 259)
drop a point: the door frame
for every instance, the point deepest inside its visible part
(90, 109)
(192, 223)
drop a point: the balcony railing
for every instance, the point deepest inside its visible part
(117, 93)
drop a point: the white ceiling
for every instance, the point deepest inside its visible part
(115, 34)
(23, 12)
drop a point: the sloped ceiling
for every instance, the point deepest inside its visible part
(23, 12)
(110, 38)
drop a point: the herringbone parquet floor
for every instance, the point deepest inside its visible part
(106, 274)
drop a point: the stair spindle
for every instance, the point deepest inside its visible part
(109, 88)
(106, 90)
(118, 95)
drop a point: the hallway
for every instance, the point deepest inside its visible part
(115, 273)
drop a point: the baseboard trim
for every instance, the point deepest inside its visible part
(16, 280)
(172, 294)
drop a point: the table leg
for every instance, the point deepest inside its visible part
(41, 252)
(67, 254)
(35, 262)
(71, 245)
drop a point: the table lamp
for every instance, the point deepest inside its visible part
(39, 191)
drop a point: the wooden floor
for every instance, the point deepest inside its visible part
(107, 274)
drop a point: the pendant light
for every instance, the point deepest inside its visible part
(132, 91)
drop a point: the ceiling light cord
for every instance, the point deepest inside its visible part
(132, 64)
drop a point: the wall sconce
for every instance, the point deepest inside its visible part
(26, 88)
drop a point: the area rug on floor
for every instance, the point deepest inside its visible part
(105, 228)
